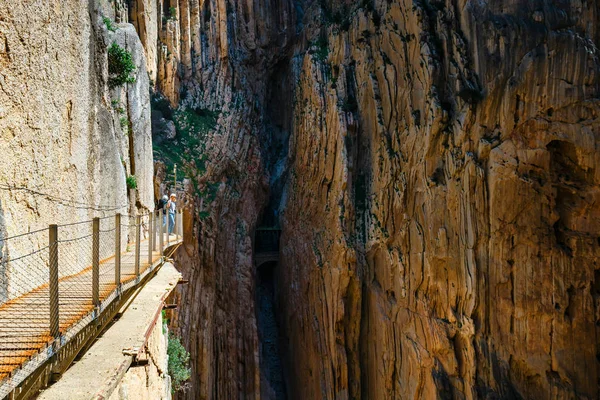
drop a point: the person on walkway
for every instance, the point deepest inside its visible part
(171, 206)
(162, 205)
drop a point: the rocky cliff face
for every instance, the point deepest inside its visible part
(211, 68)
(433, 167)
(444, 184)
(68, 141)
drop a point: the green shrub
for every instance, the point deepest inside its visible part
(120, 66)
(124, 122)
(109, 24)
(178, 364)
(172, 13)
(189, 146)
(131, 182)
(118, 107)
(320, 49)
(188, 149)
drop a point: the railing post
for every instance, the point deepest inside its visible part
(150, 218)
(181, 225)
(118, 253)
(177, 226)
(161, 238)
(168, 227)
(96, 262)
(137, 246)
(154, 230)
(53, 281)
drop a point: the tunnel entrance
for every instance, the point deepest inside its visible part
(266, 252)
(266, 245)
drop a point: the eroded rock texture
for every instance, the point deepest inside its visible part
(67, 140)
(226, 73)
(151, 381)
(433, 166)
(445, 185)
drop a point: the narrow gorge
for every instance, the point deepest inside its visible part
(384, 199)
(432, 168)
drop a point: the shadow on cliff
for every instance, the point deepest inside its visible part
(272, 381)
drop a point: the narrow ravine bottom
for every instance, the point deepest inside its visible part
(271, 367)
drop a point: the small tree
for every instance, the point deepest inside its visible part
(120, 66)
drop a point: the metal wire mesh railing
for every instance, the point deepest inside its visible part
(55, 281)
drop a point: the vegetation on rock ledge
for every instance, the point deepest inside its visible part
(178, 363)
(131, 182)
(109, 24)
(188, 148)
(120, 66)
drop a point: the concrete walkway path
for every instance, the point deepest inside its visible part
(99, 371)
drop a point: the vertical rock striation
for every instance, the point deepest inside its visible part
(144, 16)
(432, 164)
(444, 186)
(67, 140)
(215, 59)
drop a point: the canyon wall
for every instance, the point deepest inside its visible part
(440, 233)
(432, 165)
(68, 141)
(217, 59)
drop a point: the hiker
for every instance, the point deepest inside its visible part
(171, 205)
(162, 205)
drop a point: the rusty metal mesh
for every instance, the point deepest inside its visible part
(40, 309)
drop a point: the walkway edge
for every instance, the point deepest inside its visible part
(98, 373)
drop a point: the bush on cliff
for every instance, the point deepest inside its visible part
(120, 66)
(188, 149)
(131, 182)
(178, 363)
(109, 24)
(189, 146)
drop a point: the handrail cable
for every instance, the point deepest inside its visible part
(22, 234)
(73, 203)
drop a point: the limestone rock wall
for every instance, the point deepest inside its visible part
(223, 69)
(433, 167)
(65, 151)
(138, 131)
(144, 16)
(440, 229)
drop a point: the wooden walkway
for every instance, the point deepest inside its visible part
(25, 320)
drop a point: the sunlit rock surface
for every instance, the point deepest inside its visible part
(437, 194)
(67, 140)
(444, 185)
(432, 166)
